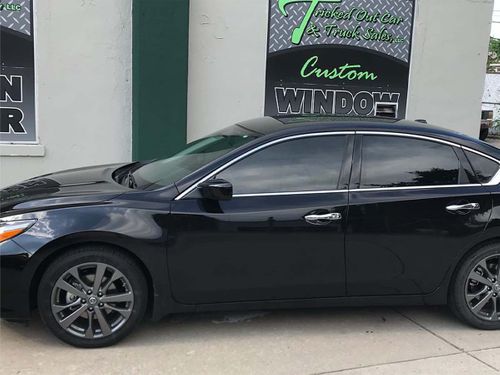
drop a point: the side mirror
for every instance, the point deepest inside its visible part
(218, 189)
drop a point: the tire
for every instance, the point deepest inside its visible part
(473, 279)
(68, 297)
(483, 134)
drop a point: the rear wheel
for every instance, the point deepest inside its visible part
(475, 293)
(92, 297)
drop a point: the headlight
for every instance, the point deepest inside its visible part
(10, 229)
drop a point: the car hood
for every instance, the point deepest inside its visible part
(66, 188)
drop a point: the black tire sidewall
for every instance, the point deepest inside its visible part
(458, 302)
(114, 257)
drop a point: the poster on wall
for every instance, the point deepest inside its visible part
(17, 72)
(339, 57)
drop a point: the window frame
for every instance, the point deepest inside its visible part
(355, 149)
(495, 180)
(465, 150)
(215, 172)
(346, 152)
(395, 138)
(356, 179)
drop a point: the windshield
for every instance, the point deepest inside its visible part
(165, 172)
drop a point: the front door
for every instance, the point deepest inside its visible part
(280, 237)
(415, 206)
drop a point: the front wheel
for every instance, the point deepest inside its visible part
(475, 292)
(92, 296)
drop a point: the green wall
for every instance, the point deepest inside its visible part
(160, 69)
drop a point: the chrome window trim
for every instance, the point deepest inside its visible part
(250, 152)
(494, 181)
(407, 135)
(356, 190)
(480, 154)
(416, 187)
(290, 193)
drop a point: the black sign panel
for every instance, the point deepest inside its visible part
(342, 57)
(17, 73)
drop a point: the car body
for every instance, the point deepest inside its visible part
(354, 237)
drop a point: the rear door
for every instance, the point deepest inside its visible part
(280, 237)
(415, 204)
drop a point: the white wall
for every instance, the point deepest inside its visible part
(83, 70)
(226, 81)
(227, 63)
(449, 63)
(83, 74)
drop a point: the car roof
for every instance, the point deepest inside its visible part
(289, 125)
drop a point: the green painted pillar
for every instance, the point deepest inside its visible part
(160, 68)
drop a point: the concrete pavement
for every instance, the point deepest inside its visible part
(347, 340)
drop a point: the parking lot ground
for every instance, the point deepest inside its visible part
(417, 340)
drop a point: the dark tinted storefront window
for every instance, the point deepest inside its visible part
(307, 164)
(397, 162)
(485, 168)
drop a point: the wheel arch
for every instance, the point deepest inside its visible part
(441, 295)
(53, 250)
(464, 256)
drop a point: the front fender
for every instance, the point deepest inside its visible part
(138, 231)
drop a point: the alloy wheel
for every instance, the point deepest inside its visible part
(482, 290)
(92, 300)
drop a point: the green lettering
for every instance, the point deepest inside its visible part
(342, 74)
(298, 32)
(368, 76)
(309, 63)
(346, 71)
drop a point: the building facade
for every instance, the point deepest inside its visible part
(136, 79)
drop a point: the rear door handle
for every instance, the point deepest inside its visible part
(463, 207)
(323, 219)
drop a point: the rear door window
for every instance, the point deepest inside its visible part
(392, 161)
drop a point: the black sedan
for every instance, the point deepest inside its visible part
(266, 214)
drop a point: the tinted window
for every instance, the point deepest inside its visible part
(485, 168)
(196, 154)
(307, 164)
(397, 161)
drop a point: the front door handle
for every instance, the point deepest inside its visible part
(323, 219)
(463, 207)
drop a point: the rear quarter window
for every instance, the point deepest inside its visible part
(484, 168)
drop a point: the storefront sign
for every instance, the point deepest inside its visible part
(17, 73)
(342, 57)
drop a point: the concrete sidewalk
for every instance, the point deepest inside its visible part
(351, 341)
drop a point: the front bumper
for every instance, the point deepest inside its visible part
(14, 283)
